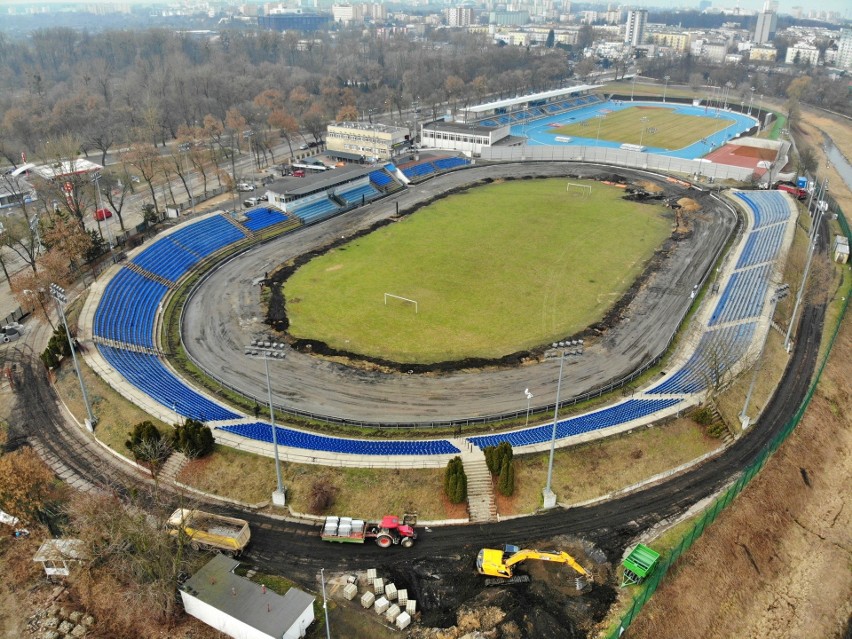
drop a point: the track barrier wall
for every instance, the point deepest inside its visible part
(649, 587)
(618, 157)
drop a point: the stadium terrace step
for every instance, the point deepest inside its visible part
(244, 229)
(186, 248)
(174, 464)
(480, 493)
(151, 276)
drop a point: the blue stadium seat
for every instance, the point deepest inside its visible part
(147, 373)
(354, 195)
(312, 442)
(611, 416)
(261, 218)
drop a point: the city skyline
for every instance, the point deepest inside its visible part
(839, 6)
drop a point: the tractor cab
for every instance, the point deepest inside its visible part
(392, 525)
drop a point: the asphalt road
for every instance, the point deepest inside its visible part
(225, 314)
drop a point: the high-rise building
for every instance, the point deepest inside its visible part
(764, 30)
(459, 16)
(844, 49)
(634, 33)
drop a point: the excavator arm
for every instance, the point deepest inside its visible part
(559, 557)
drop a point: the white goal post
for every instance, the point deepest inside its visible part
(585, 189)
(404, 299)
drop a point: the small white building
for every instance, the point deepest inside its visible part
(58, 556)
(802, 53)
(242, 609)
(457, 136)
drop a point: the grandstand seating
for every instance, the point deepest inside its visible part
(315, 211)
(762, 245)
(768, 207)
(380, 179)
(717, 351)
(260, 218)
(418, 170)
(128, 308)
(611, 416)
(743, 297)
(297, 439)
(166, 259)
(354, 195)
(148, 374)
(207, 236)
(445, 164)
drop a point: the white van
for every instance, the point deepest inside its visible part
(244, 187)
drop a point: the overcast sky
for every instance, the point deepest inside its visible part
(844, 7)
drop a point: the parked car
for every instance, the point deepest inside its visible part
(102, 214)
(263, 198)
(252, 201)
(299, 173)
(304, 147)
(245, 187)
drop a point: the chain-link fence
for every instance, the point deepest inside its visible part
(647, 589)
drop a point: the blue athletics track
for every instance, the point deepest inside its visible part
(539, 132)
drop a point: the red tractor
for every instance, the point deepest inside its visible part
(390, 531)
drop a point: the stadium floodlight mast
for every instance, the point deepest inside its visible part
(780, 293)
(643, 120)
(529, 396)
(569, 348)
(58, 294)
(601, 117)
(814, 237)
(666, 86)
(265, 351)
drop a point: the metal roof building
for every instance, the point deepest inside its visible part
(243, 609)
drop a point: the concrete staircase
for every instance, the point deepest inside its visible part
(174, 464)
(480, 495)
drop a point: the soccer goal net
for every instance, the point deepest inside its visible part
(404, 300)
(584, 190)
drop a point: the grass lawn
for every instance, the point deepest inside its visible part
(116, 415)
(594, 469)
(663, 128)
(494, 270)
(359, 492)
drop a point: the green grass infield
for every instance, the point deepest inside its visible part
(494, 270)
(663, 129)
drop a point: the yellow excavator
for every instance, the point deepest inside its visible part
(499, 563)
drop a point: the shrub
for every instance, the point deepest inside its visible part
(147, 445)
(494, 456)
(703, 416)
(323, 494)
(193, 438)
(455, 481)
(506, 482)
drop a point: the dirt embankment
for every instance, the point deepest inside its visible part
(776, 564)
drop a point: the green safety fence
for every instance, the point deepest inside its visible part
(650, 585)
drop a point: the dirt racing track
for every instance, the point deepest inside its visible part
(224, 314)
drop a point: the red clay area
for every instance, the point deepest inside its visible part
(738, 155)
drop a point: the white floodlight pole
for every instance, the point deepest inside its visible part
(548, 494)
(666, 86)
(529, 399)
(643, 120)
(278, 497)
(325, 604)
(811, 250)
(58, 294)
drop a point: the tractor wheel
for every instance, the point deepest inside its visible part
(408, 542)
(195, 546)
(384, 541)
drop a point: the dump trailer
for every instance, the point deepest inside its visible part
(499, 563)
(390, 531)
(208, 531)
